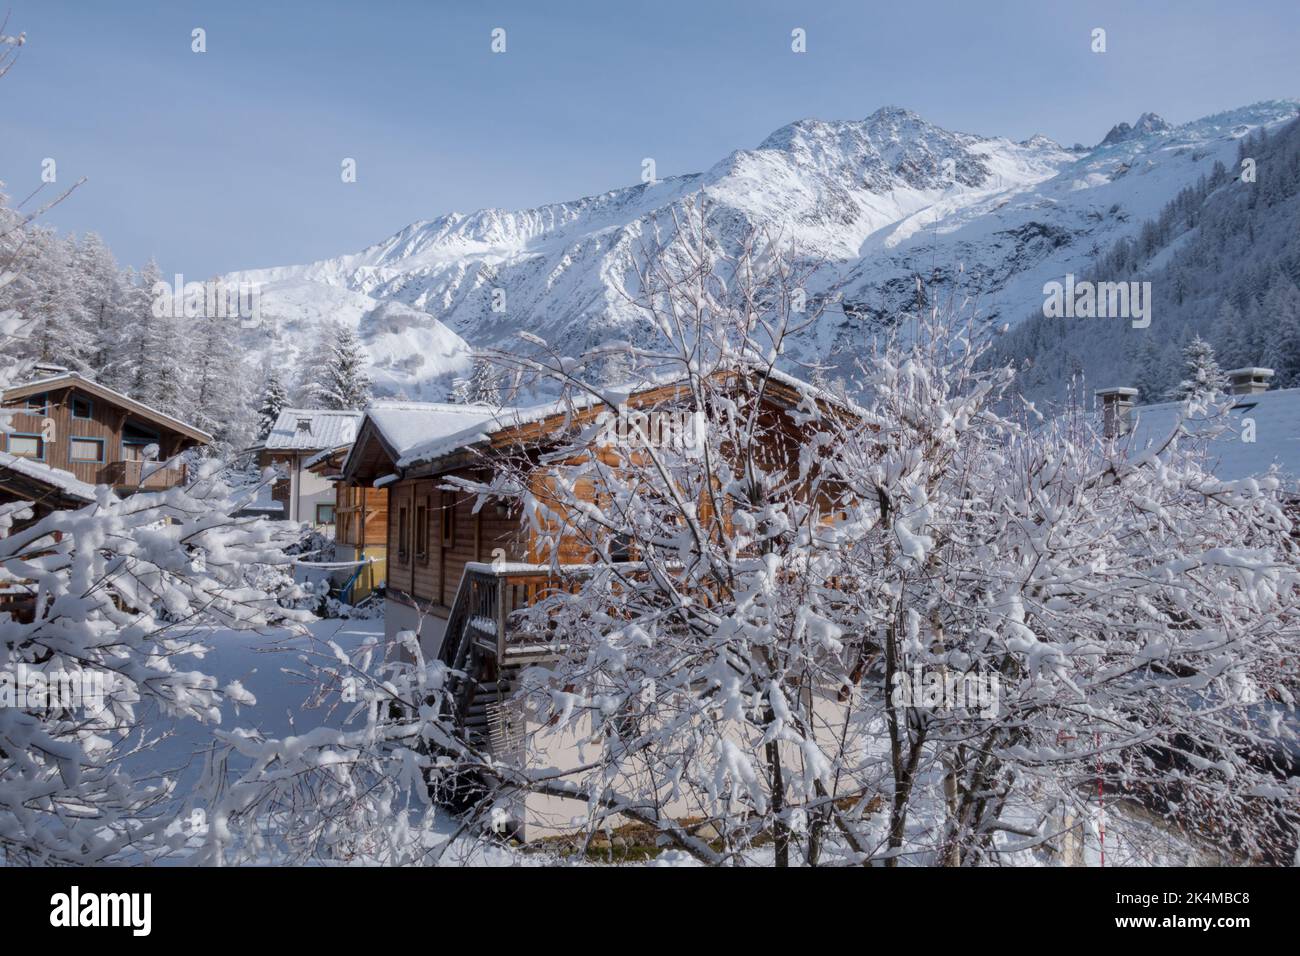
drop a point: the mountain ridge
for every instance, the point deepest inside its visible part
(882, 200)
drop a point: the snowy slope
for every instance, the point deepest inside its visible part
(412, 354)
(883, 200)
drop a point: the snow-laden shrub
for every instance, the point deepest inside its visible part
(111, 593)
(358, 793)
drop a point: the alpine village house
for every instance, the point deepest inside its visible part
(297, 437)
(459, 568)
(65, 434)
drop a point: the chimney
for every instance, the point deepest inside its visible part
(1249, 380)
(304, 425)
(1116, 409)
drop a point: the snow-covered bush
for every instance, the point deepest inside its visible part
(359, 793)
(1135, 614)
(110, 595)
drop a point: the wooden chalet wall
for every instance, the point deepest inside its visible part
(433, 576)
(357, 509)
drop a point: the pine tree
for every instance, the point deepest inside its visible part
(343, 382)
(48, 299)
(1202, 376)
(1150, 375)
(482, 387)
(1281, 307)
(219, 400)
(1234, 332)
(274, 399)
(311, 363)
(146, 340)
(114, 358)
(98, 285)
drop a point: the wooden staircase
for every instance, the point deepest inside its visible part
(485, 642)
(488, 724)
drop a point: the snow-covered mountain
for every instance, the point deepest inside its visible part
(883, 200)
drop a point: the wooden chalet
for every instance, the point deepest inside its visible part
(459, 569)
(67, 433)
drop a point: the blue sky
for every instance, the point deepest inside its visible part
(231, 158)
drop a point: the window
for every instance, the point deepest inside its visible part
(402, 538)
(324, 514)
(38, 404)
(82, 407)
(620, 547)
(28, 446)
(136, 440)
(86, 449)
(422, 532)
(448, 519)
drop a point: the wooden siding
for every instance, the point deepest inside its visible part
(434, 576)
(105, 425)
(360, 516)
(434, 579)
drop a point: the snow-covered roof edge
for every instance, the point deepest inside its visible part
(75, 380)
(62, 481)
(510, 417)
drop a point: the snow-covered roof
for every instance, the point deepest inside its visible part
(63, 481)
(74, 380)
(434, 447)
(320, 456)
(405, 425)
(326, 428)
(1276, 418)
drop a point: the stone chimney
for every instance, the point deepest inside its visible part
(1116, 409)
(1249, 380)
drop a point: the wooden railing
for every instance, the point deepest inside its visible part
(148, 475)
(489, 606)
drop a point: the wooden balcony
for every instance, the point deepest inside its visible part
(487, 613)
(142, 475)
(490, 637)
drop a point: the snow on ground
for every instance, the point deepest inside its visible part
(264, 665)
(270, 667)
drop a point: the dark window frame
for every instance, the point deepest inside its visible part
(90, 407)
(333, 514)
(422, 530)
(42, 409)
(403, 537)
